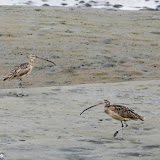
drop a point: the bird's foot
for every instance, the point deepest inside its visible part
(120, 138)
(115, 134)
(12, 93)
(21, 95)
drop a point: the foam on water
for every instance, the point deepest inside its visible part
(109, 4)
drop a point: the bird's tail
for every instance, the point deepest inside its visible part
(4, 78)
(142, 118)
(137, 117)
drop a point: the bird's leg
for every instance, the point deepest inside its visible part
(122, 130)
(115, 134)
(20, 86)
(126, 124)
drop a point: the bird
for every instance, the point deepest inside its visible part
(22, 71)
(120, 113)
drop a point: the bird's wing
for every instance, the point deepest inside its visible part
(23, 66)
(17, 72)
(23, 69)
(125, 112)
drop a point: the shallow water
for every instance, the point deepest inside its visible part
(47, 124)
(87, 45)
(110, 4)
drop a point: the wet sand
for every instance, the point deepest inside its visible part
(91, 48)
(88, 45)
(47, 125)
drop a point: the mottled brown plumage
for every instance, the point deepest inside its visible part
(120, 113)
(23, 70)
(19, 72)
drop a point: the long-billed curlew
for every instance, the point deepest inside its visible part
(23, 70)
(120, 113)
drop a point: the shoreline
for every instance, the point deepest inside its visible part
(88, 45)
(109, 5)
(86, 84)
(47, 121)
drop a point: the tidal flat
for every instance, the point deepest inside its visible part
(99, 55)
(47, 124)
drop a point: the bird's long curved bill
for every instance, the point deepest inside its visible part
(46, 60)
(90, 108)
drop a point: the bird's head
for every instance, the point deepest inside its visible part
(107, 103)
(32, 56)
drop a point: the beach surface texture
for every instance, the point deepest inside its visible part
(99, 54)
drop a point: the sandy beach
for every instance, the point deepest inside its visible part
(88, 45)
(47, 125)
(99, 55)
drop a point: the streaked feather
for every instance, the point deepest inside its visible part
(19, 71)
(125, 112)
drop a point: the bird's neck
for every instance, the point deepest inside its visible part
(107, 106)
(31, 62)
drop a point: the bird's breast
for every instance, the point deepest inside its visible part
(114, 115)
(30, 69)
